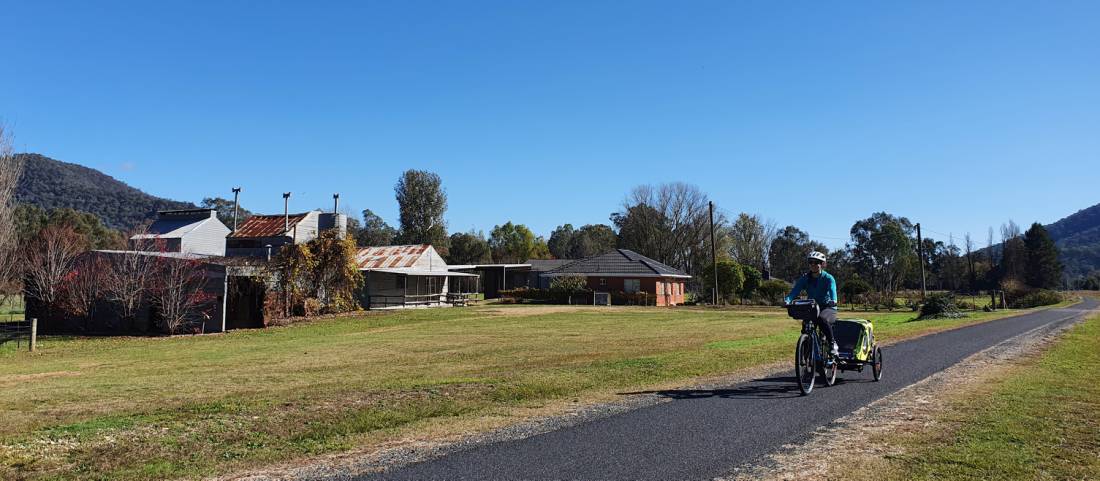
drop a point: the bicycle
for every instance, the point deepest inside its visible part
(811, 355)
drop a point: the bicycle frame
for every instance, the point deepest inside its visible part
(808, 327)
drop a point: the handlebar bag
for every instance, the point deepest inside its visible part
(803, 309)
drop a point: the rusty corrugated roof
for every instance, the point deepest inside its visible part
(266, 226)
(390, 257)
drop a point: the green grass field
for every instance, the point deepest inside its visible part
(1039, 422)
(11, 308)
(191, 406)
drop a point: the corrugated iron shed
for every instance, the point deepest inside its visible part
(390, 257)
(266, 226)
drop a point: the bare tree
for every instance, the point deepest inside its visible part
(989, 247)
(1013, 252)
(82, 288)
(129, 274)
(11, 169)
(178, 292)
(668, 222)
(750, 240)
(973, 279)
(48, 258)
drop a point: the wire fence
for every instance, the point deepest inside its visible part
(19, 332)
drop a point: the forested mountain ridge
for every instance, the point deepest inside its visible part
(1078, 238)
(50, 184)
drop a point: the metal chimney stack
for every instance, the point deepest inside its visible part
(335, 203)
(236, 195)
(286, 211)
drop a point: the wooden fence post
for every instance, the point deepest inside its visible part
(34, 334)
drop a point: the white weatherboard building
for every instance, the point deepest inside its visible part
(191, 231)
(411, 276)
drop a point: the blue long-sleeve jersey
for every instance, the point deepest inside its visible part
(821, 288)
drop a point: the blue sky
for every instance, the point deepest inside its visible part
(959, 115)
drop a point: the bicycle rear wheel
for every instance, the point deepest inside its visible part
(828, 374)
(876, 360)
(804, 364)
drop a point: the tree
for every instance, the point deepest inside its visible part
(1044, 270)
(670, 224)
(730, 279)
(972, 278)
(589, 240)
(48, 258)
(83, 287)
(31, 219)
(753, 278)
(11, 169)
(128, 278)
(224, 210)
(1013, 264)
(854, 287)
(335, 275)
(644, 229)
(375, 231)
(751, 239)
(883, 250)
(592, 239)
(773, 290)
(788, 251)
(293, 268)
(565, 287)
(561, 240)
(469, 248)
(421, 202)
(178, 292)
(515, 243)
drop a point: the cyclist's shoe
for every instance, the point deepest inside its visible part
(835, 350)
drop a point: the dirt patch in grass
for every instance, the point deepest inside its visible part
(18, 378)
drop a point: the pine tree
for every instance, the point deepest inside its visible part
(1043, 270)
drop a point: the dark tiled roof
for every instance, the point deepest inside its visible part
(266, 226)
(543, 265)
(390, 257)
(619, 262)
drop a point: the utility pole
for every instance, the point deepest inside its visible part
(713, 255)
(236, 196)
(920, 252)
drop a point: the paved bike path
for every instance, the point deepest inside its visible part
(704, 434)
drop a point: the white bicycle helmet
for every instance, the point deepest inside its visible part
(815, 255)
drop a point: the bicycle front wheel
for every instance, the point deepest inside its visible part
(804, 364)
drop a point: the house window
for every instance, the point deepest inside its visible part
(632, 285)
(603, 282)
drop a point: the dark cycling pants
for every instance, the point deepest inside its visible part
(824, 321)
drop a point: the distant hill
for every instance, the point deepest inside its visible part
(50, 183)
(1078, 238)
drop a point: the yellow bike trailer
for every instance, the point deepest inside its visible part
(855, 339)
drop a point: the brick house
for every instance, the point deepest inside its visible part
(626, 271)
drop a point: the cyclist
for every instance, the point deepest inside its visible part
(821, 287)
